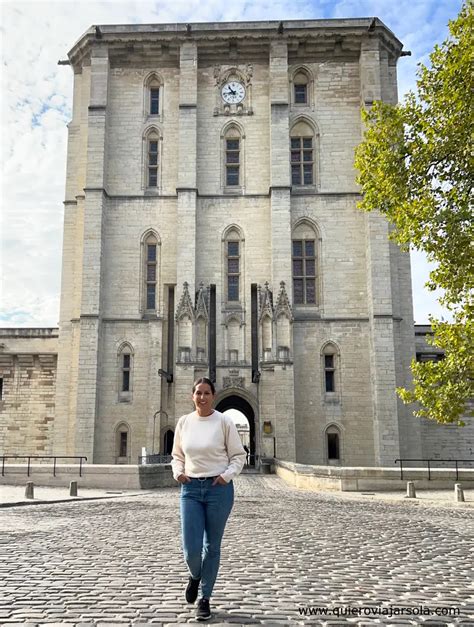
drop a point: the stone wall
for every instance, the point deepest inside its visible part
(28, 371)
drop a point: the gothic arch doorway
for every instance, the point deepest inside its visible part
(168, 440)
(235, 401)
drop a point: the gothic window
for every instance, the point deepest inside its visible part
(154, 100)
(1, 389)
(233, 270)
(333, 444)
(122, 444)
(151, 267)
(302, 155)
(233, 151)
(233, 266)
(153, 93)
(304, 263)
(152, 159)
(330, 372)
(152, 150)
(300, 88)
(126, 363)
(232, 161)
(125, 372)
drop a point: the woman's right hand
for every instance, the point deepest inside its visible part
(183, 478)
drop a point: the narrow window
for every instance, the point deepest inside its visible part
(154, 100)
(1, 389)
(126, 372)
(301, 94)
(232, 162)
(233, 271)
(300, 88)
(302, 160)
(304, 272)
(153, 162)
(151, 276)
(329, 369)
(333, 445)
(123, 444)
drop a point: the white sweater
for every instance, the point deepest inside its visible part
(207, 447)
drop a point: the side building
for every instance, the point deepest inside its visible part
(211, 229)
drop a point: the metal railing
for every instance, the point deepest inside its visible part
(155, 458)
(30, 457)
(429, 467)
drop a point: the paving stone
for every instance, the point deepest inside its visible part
(128, 567)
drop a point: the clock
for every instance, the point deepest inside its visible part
(233, 92)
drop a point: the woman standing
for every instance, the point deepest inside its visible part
(207, 455)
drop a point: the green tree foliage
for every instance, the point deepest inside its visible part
(416, 167)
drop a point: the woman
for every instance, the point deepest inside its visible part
(207, 455)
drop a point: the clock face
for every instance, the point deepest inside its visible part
(233, 92)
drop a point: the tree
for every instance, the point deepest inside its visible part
(416, 166)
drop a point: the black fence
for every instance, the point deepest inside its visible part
(430, 467)
(30, 457)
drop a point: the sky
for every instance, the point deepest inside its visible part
(36, 98)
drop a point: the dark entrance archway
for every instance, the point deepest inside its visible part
(168, 440)
(237, 402)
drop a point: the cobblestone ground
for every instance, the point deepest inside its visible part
(119, 561)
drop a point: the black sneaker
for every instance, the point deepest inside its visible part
(192, 590)
(203, 611)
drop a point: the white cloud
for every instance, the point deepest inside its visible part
(36, 107)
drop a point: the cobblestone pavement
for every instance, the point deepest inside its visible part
(118, 561)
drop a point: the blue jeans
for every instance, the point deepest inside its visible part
(204, 512)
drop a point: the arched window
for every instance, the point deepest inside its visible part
(304, 264)
(302, 157)
(330, 360)
(122, 444)
(125, 372)
(301, 88)
(153, 95)
(233, 264)
(233, 158)
(150, 272)
(333, 444)
(152, 158)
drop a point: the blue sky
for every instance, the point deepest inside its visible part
(36, 107)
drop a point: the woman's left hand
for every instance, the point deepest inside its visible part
(219, 481)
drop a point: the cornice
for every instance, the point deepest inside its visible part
(156, 35)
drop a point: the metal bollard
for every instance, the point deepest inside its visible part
(458, 493)
(30, 490)
(411, 494)
(73, 488)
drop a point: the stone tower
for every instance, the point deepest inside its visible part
(211, 229)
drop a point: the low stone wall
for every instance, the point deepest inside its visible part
(93, 476)
(355, 479)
